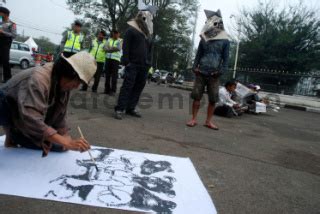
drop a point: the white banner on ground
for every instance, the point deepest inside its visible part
(125, 180)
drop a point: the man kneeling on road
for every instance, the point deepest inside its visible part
(33, 104)
(210, 63)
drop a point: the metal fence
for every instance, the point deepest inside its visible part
(306, 84)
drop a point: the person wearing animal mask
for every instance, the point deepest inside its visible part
(210, 63)
(136, 58)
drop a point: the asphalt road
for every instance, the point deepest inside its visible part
(255, 164)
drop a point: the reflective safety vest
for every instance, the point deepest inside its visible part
(73, 43)
(97, 50)
(115, 55)
(151, 71)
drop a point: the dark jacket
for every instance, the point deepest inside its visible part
(212, 56)
(9, 30)
(9, 33)
(136, 48)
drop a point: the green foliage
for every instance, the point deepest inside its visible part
(21, 38)
(44, 43)
(106, 14)
(282, 39)
(172, 27)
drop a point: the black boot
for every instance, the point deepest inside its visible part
(134, 113)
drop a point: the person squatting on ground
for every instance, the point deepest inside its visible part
(8, 31)
(113, 57)
(253, 98)
(33, 104)
(137, 59)
(210, 63)
(227, 107)
(97, 51)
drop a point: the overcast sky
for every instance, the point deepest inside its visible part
(51, 17)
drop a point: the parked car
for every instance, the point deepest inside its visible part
(21, 54)
(162, 76)
(155, 76)
(166, 77)
(179, 80)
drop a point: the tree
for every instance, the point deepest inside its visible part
(44, 43)
(21, 38)
(283, 39)
(173, 29)
(171, 24)
(106, 14)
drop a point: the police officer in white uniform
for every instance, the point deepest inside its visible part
(8, 32)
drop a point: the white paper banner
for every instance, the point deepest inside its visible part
(125, 180)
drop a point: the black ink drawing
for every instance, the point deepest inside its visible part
(119, 182)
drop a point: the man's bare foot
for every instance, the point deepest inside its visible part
(192, 123)
(8, 143)
(210, 125)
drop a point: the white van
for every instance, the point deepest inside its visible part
(21, 54)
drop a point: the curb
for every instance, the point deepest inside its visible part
(313, 110)
(283, 105)
(302, 108)
(294, 107)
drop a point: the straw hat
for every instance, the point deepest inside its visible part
(84, 64)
